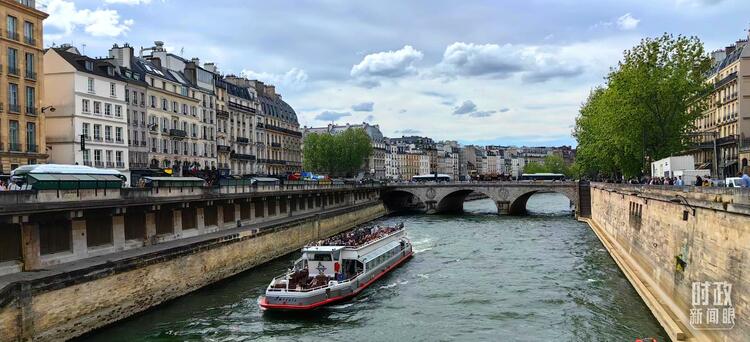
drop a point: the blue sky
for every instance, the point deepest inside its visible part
(487, 72)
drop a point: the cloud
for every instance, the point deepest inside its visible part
(369, 118)
(468, 59)
(534, 63)
(465, 108)
(408, 131)
(482, 114)
(331, 116)
(363, 107)
(697, 3)
(294, 78)
(627, 22)
(128, 2)
(388, 64)
(64, 16)
(504, 110)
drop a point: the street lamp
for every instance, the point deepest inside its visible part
(50, 108)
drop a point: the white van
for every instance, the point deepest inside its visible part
(734, 182)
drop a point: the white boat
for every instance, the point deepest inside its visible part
(338, 268)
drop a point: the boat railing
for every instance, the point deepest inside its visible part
(273, 289)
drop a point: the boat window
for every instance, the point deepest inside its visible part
(322, 257)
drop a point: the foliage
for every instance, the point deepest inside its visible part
(552, 164)
(342, 154)
(648, 104)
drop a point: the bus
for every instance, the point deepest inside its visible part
(542, 177)
(436, 177)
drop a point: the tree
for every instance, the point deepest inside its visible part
(648, 104)
(534, 167)
(552, 164)
(342, 154)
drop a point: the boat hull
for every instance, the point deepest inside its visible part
(301, 301)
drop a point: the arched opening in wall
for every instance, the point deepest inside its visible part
(454, 203)
(401, 201)
(548, 203)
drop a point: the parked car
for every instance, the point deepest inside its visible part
(733, 182)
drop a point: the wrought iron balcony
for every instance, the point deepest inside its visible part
(14, 108)
(177, 133)
(30, 75)
(98, 163)
(29, 40)
(87, 162)
(241, 156)
(223, 148)
(243, 140)
(222, 113)
(32, 148)
(12, 34)
(30, 110)
(12, 70)
(15, 147)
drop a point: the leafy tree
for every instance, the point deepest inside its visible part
(648, 104)
(342, 154)
(534, 167)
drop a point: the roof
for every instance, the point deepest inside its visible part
(741, 47)
(276, 107)
(233, 89)
(100, 66)
(322, 248)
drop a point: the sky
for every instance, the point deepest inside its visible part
(480, 72)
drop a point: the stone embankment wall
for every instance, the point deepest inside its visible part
(665, 239)
(74, 303)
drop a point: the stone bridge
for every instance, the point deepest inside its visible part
(509, 197)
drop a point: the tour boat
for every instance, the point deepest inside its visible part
(338, 268)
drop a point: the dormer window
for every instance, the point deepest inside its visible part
(89, 65)
(110, 71)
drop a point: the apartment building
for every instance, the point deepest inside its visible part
(281, 150)
(89, 126)
(725, 121)
(238, 123)
(22, 122)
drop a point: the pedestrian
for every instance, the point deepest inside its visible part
(744, 179)
(2, 186)
(679, 181)
(698, 181)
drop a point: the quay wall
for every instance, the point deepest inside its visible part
(665, 239)
(72, 304)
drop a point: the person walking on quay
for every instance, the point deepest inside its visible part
(679, 181)
(744, 179)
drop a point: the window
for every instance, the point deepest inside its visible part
(164, 104)
(86, 157)
(28, 33)
(97, 132)
(108, 133)
(85, 130)
(30, 100)
(30, 70)
(11, 27)
(12, 61)
(91, 85)
(13, 135)
(13, 97)
(118, 134)
(97, 107)
(31, 137)
(184, 109)
(175, 107)
(98, 156)
(108, 153)
(118, 111)
(153, 101)
(118, 158)
(107, 109)
(112, 89)
(127, 97)
(85, 105)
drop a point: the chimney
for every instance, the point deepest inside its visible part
(156, 61)
(123, 56)
(718, 56)
(270, 91)
(196, 60)
(729, 49)
(210, 67)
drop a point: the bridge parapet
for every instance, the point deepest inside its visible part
(509, 197)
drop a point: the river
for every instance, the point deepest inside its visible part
(474, 277)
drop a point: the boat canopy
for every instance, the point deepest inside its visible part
(322, 249)
(381, 250)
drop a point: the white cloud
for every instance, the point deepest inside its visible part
(128, 2)
(465, 108)
(294, 78)
(64, 16)
(627, 22)
(388, 63)
(697, 3)
(363, 107)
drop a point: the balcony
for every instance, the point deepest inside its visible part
(282, 130)
(32, 148)
(13, 70)
(120, 141)
(15, 147)
(29, 40)
(241, 107)
(11, 35)
(222, 113)
(86, 137)
(30, 75)
(242, 140)
(14, 108)
(97, 138)
(110, 165)
(223, 148)
(177, 133)
(153, 128)
(724, 81)
(87, 163)
(98, 163)
(276, 145)
(153, 149)
(241, 156)
(109, 140)
(165, 150)
(30, 110)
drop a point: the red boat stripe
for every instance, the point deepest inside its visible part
(265, 305)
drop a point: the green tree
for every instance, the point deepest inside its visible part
(648, 104)
(342, 154)
(534, 167)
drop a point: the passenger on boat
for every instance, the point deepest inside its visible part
(360, 236)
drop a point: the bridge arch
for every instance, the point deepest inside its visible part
(517, 203)
(402, 199)
(453, 201)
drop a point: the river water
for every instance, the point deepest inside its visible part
(474, 277)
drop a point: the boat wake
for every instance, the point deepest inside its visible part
(422, 245)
